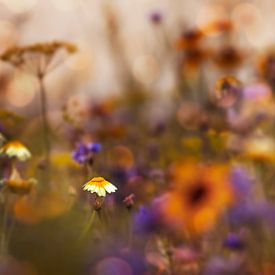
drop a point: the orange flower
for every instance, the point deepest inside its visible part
(189, 39)
(199, 194)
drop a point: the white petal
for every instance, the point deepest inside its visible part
(101, 192)
(110, 188)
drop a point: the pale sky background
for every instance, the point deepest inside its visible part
(84, 23)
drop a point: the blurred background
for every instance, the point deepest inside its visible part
(157, 96)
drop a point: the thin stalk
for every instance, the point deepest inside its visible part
(87, 226)
(130, 231)
(3, 244)
(45, 122)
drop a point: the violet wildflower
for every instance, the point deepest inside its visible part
(156, 17)
(84, 153)
(145, 220)
(221, 266)
(241, 182)
(233, 241)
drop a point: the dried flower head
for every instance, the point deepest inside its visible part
(99, 186)
(36, 57)
(17, 184)
(16, 149)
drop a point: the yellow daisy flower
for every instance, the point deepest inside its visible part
(99, 186)
(16, 149)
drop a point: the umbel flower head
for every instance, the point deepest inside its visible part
(99, 186)
(15, 149)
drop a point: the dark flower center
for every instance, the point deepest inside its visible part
(197, 194)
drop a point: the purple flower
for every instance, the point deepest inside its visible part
(221, 266)
(156, 17)
(94, 147)
(149, 219)
(84, 152)
(252, 213)
(144, 220)
(244, 213)
(233, 241)
(241, 182)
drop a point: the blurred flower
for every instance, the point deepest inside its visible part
(112, 265)
(217, 27)
(266, 66)
(190, 115)
(199, 194)
(34, 208)
(221, 266)
(84, 152)
(156, 17)
(189, 39)
(227, 91)
(241, 182)
(129, 201)
(233, 241)
(16, 184)
(148, 219)
(193, 57)
(259, 148)
(252, 213)
(99, 186)
(228, 58)
(145, 220)
(15, 149)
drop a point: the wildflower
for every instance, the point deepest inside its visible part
(241, 182)
(145, 220)
(189, 39)
(148, 219)
(266, 67)
(16, 149)
(260, 148)
(16, 184)
(199, 194)
(214, 28)
(228, 58)
(112, 265)
(217, 265)
(84, 152)
(227, 91)
(129, 201)
(156, 17)
(233, 241)
(99, 186)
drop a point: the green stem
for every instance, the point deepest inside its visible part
(4, 227)
(87, 226)
(130, 232)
